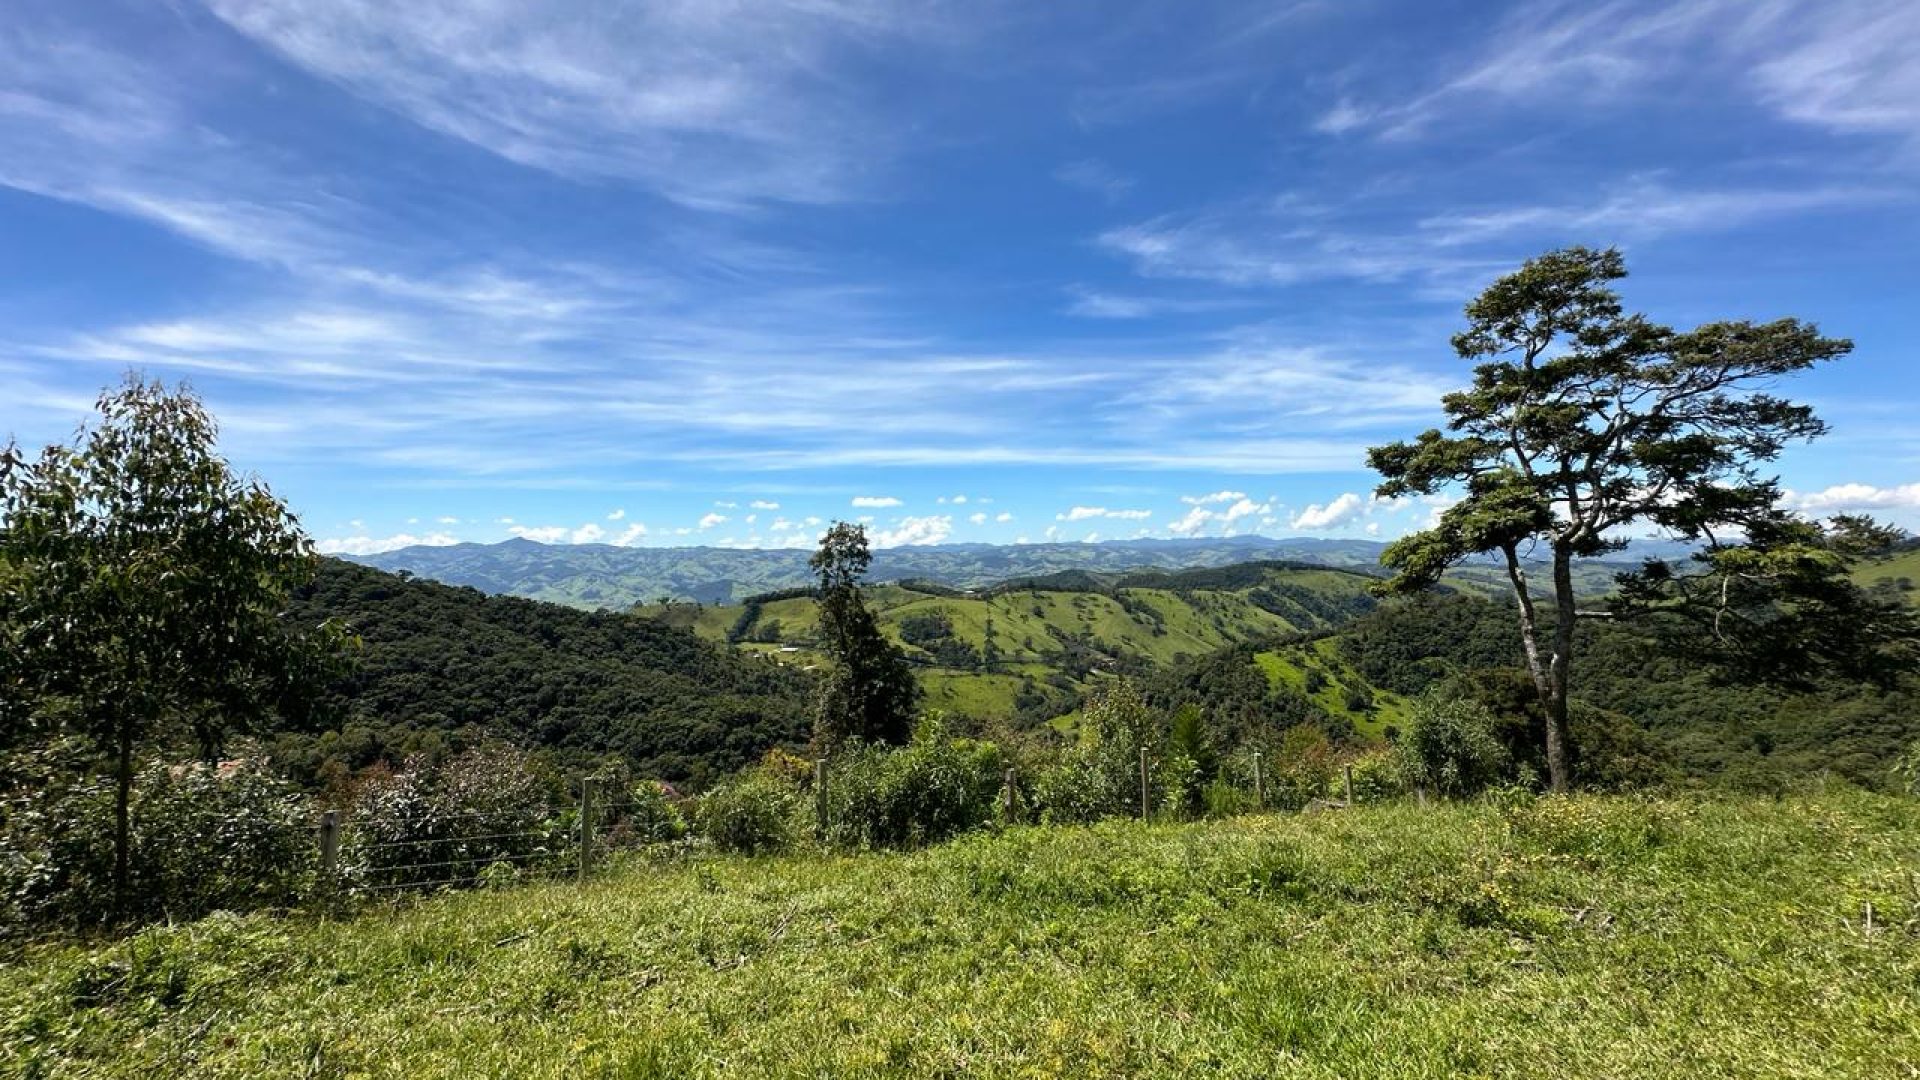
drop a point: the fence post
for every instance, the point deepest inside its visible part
(1143, 784)
(329, 847)
(1349, 784)
(1420, 796)
(1009, 797)
(1259, 784)
(820, 796)
(587, 785)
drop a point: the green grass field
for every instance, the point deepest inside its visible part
(1904, 565)
(1585, 937)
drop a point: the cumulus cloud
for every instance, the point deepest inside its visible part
(763, 504)
(1341, 511)
(368, 545)
(931, 529)
(632, 535)
(1083, 513)
(1842, 497)
(588, 534)
(875, 502)
(1003, 516)
(448, 520)
(540, 534)
(978, 518)
(617, 515)
(710, 520)
(1198, 518)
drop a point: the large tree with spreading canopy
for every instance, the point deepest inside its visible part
(1584, 422)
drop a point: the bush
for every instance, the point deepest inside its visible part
(1076, 789)
(1377, 776)
(756, 812)
(1906, 771)
(231, 837)
(429, 825)
(1301, 768)
(1224, 799)
(927, 791)
(1450, 747)
(650, 817)
(204, 838)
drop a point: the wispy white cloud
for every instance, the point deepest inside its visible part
(710, 520)
(369, 545)
(1082, 513)
(908, 531)
(1855, 496)
(1215, 497)
(540, 534)
(875, 502)
(1844, 67)
(1096, 177)
(680, 97)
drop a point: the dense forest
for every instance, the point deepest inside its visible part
(440, 668)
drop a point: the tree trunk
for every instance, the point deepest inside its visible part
(1559, 772)
(1548, 671)
(122, 832)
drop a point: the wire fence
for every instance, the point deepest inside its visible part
(385, 855)
(378, 855)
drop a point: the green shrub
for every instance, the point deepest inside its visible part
(204, 838)
(1222, 798)
(443, 824)
(756, 812)
(649, 817)
(1377, 776)
(1906, 771)
(1077, 789)
(232, 836)
(1450, 747)
(927, 791)
(1300, 768)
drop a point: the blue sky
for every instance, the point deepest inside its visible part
(715, 272)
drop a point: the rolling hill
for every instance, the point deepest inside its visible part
(1027, 647)
(440, 666)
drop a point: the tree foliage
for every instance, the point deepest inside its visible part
(1583, 420)
(146, 588)
(870, 694)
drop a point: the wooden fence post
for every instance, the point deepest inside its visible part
(820, 796)
(1349, 784)
(1009, 797)
(587, 785)
(1259, 784)
(329, 847)
(1143, 784)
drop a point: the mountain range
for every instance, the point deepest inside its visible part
(606, 576)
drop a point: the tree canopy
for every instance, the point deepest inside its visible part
(147, 585)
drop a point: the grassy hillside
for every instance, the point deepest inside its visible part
(981, 654)
(1575, 938)
(1903, 567)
